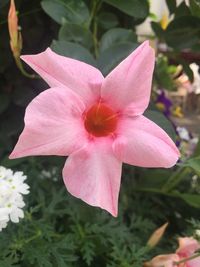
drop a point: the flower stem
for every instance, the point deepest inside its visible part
(196, 255)
(21, 68)
(175, 179)
(93, 21)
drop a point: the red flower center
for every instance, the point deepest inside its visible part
(100, 120)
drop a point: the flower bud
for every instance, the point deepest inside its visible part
(15, 35)
(157, 235)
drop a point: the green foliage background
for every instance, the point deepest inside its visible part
(59, 230)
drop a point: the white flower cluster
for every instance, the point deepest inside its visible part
(12, 189)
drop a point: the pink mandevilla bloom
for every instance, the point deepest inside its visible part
(187, 247)
(167, 260)
(96, 121)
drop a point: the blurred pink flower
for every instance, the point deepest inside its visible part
(96, 121)
(187, 247)
(167, 260)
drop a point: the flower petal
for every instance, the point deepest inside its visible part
(194, 263)
(60, 71)
(93, 174)
(141, 142)
(163, 261)
(128, 86)
(187, 246)
(53, 124)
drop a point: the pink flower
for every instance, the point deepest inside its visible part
(167, 260)
(96, 121)
(187, 247)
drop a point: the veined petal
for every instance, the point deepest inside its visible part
(60, 71)
(128, 86)
(53, 125)
(93, 174)
(141, 142)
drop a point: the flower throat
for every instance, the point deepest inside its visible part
(100, 120)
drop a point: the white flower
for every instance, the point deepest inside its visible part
(12, 189)
(4, 217)
(183, 133)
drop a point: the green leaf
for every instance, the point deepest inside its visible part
(88, 252)
(4, 101)
(161, 121)
(192, 199)
(116, 36)
(7, 262)
(160, 177)
(182, 10)
(76, 33)
(8, 163)
(175, 178)
(183, 32)
(66, 11)
(195, 7)
(109, 58)
(194, 164)
(157, 29)
(171, 4)
(134, 8)
(107, 20)
(187, 69)
(73, 50)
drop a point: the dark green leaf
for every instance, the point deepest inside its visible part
(195, 7)
(183, 32)
(182, 10)
(107, 20)
(66, 11)
(194, 164)
(109, 58)
(134, 8)
(171, 6)
(180, 174)
(8, 163)
(161, 121)
(187, 69)
(73, 50)
(87, 249)
(192, 199)
(116, 36)
(157, 29)
(76, 33)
